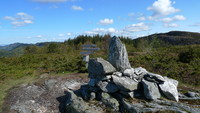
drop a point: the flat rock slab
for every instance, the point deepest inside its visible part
(125, 83)
(98, 68)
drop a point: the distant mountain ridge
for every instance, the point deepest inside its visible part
(12, 46)
(21, 45)
(17, 49)
(174, 38)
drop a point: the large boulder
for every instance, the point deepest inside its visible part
(125, 83)
(118, 56)
(169, 88)
(99, 67)
(108, 87)
(151, 90)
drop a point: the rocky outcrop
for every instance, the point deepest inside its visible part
(118, 55)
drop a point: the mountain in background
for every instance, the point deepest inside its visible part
(173, 38)
(13, 46)
(21, 45)
(17, 49)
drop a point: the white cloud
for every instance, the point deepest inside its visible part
(179, 17)
(175, 18)
(77, 8)
(106, 21)
(102, 31)
(20, 19)
(137, 27)
(9, 18)
(49, 1)
(61, 35)
(169, 25)
(162, 8)
(142, 18)
(69, 34)
(127, 31)
(28, 21)
(111, 30)
(39, 36)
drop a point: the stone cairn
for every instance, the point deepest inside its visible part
(116, 78)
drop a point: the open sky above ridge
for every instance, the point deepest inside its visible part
(31, 21)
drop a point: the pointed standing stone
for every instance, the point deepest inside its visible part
(118, 56)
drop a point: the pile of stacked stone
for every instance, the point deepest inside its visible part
(116, 76)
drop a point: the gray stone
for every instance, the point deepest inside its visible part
(125, 83)
(71, 84)
(49, 84)
(117, 74)
(85, 92)
(29, 106)
(192, 94)
(76, 104)
(136, 107)
(140, 71)
(151, 90)
(175, 82)
(157, 106)
(169, 89)
(110, 101)
(118, 55)
(154, 77)
(130, 73)
(92, 96)
(107, 87)
(107, 78)
(93, 82)
(99, 67)
(127, 93)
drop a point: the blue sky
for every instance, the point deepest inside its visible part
(32, 21)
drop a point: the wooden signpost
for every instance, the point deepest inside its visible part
(87, 50)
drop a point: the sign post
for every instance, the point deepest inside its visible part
(87, 50)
